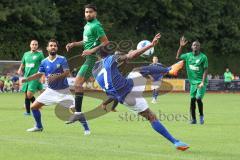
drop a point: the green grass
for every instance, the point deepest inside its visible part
(115, 138)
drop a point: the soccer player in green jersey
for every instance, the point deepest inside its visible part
(93, 37)
(29, 66)
(196, 64)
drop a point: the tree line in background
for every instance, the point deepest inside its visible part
(215, 23)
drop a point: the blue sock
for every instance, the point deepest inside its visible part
(37, 116)
(84, 122)
(157, 126)
(155, 94)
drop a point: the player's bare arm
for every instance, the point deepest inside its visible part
(203, 78)
(135, 53)
(182, 43)
(103, 40)
(20, 70)
(73, 44)
(33, 77)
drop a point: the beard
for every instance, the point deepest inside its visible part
(196, 51)
(53, 53)
(90, 19)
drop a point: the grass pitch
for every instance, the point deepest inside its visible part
(122, 135)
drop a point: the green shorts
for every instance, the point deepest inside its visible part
(196, 92)
(86, 69)
(32, 86)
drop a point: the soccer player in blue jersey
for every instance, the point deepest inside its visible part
(55, 68)
(128, 91)
(156, 80)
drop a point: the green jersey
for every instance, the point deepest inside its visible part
(195, 66)
(93, 31)
(31, 62)
(228, 77)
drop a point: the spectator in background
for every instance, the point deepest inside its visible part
(216, 76)
(15, 82)
(228, 77)
(209, 76)
(236, 77)
(8, 85)
(74, 72)
(1, 83)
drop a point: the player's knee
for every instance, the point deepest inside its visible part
(193, 100)
(33, 107)
(29, 95)
(78, 84)
(151, 116)
(36, 106)
(199, 100)
(78, 87)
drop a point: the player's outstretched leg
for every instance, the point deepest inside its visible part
(158, 127)
(37, 116)
(175, 68)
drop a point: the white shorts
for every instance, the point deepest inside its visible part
(156, 85)
(62, 97)
(134, 99)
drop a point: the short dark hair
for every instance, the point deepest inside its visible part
(106, 50)
(92, 6)
(53, 40)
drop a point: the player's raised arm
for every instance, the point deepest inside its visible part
(73, 44)
(136, 53)
(182, 43)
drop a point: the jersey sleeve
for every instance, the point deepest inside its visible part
(184, 56)
(99, 31)
(41, 68)
(65, 64)
(205, 62)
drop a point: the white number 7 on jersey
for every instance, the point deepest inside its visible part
(104, 72)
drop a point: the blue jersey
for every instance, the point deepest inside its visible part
(55, 67)
(110, 79)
